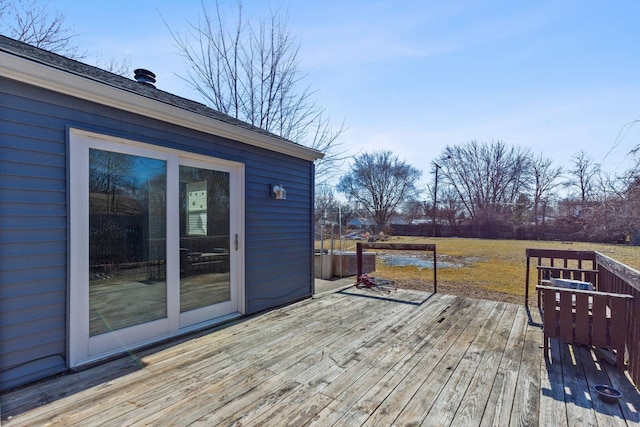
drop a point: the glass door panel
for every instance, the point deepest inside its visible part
(155, 241)
(205, 236)
(127, 240)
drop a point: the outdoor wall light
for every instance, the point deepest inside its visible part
(279, 192)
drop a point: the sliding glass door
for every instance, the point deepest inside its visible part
(127, 240)
(153, 243)
(206, 256)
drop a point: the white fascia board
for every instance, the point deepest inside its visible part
(33, 73)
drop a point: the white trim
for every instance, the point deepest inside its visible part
(238, 186)
(78, 338)
(157, 148)
(173, 242)
(209, 324)
(236, 258)
(30, 72)
(84, 348)
(127, 337)
(196, 316)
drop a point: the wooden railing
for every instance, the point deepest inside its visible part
(586, 317)
(566, 264)
(606, 275)
(619, 278)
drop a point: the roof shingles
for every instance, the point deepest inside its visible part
(78, 68)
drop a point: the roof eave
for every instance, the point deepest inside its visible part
(41, 75)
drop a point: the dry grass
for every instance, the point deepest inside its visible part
(490, 269)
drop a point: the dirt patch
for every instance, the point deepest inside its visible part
(423, 260)
(417, 277)
(458, 289)
(491, 269)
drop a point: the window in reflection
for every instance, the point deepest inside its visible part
(197, 208)
(204, 238)
(127, 240)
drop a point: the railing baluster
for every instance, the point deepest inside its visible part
(607, 275)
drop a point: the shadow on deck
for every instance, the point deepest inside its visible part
(343, 359)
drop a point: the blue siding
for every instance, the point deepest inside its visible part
(33, 219)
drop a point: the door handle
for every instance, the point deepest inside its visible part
(236, 242)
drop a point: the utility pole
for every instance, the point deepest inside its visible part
(435, 201)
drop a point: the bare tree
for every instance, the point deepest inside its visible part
(449, 206)
(616, 211)
(488, 178)
(250, 70)
(380, 182)
(546, 178)
(414, 210)
(622, 135)
(631, 206)
(584, 172)
(33, 22)
(113, 64)
(325, 201)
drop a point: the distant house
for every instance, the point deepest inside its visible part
(360, 223)
(130, 215)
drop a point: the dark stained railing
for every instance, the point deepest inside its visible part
(566, 264)
(596, 318)
(606, 274)
(619, 278)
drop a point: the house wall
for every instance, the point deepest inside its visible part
(33, 219)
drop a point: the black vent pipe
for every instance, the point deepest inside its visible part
(145, 77)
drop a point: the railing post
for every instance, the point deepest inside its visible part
(526, 285)
(435, 274)
(359, 262)
(620, 278)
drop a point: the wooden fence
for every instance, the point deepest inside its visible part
(619, 278)
(566, 264)
(606, 274)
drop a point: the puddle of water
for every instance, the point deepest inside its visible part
(406, 260)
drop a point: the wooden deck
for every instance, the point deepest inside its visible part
(346, 359)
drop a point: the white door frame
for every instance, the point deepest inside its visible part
(199, 315)
(82, 348)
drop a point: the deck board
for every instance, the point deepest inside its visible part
(605, 414)
(526, 403)
(389, 409)
(552, 399)
(350, 358)
(500, 401)
(474, 402)
(579, 404)
(460, 365)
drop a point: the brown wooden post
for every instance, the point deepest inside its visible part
(599, 321)
(619, 322)
(582, 318)
(359, 261)
(526, 284)
(550, 318)
(566, 314)
(435, 274)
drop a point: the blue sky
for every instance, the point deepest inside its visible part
(416, 76)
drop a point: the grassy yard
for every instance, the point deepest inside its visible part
(491, 269)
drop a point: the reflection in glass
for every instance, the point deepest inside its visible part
(204, 238)
(127, 240)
